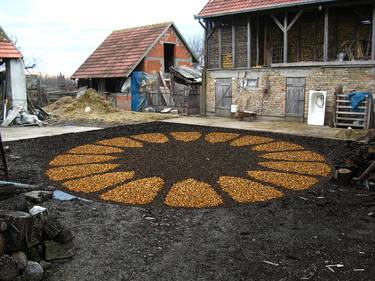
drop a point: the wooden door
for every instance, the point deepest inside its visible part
(295, 97)
(223, 97)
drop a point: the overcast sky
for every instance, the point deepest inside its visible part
(62, 34)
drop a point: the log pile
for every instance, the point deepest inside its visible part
(358, 164)
(30, 239)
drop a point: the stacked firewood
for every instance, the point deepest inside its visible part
(358, 164)
(29, 237)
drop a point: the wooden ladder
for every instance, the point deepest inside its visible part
(345, 117)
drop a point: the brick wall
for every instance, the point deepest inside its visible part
(154, 60)
(273, 103)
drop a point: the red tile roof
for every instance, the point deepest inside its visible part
(121, 52)
(220, 7)
(7, 48)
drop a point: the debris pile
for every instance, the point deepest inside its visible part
(358, 163)
(93, 107)
(29, 237)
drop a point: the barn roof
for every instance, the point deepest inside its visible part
(224, 7)
(7, 48)
(123, 50)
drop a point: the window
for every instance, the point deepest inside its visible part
(169, 50)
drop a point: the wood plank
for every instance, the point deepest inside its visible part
(233, 45)
(349, 101)
(373, 33)
(258, 41)
(349, 107)
(220, 48)
(350, 125)
(286, 37)
(248, 43)
(326, 34)
(350, 119)
(350, 113)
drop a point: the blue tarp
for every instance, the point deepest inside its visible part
(357, 98)
(138, 101)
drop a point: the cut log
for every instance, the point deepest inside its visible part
(343, 176)
(18, 232)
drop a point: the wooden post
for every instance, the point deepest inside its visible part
(220, 58)
(233, 45)
(204, 71)
(265, 50)
(326, 34)
(248, 43)
(257, 41)
(286, 37)
(373, 33)
(299, 43)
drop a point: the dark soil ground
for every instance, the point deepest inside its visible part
(300, 233)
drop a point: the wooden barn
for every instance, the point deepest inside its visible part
(266, 56)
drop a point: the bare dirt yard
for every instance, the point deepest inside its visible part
(178, 202)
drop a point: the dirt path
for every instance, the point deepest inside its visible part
(292, 238)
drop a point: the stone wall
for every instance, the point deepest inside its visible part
(272, 102)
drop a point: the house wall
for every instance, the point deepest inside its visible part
(16, 83)
(154, 61)
(272, 104)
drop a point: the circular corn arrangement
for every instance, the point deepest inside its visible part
(188, 169)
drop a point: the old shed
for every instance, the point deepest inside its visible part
(150, 49)
(266, 56)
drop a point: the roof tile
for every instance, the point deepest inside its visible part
(120, 51)
(218, 7)
(7, 48)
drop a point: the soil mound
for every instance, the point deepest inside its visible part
(70, 107)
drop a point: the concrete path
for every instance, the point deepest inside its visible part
(21, 133)
(283, 127)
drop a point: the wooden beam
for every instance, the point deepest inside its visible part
(257, 41)
(248, 43)
(299, 43)
(286, 37)
(233, 45)
(220, 50)
(373, 33)
(265, 50)
(278, 23)
(326, 35)
(299, 14)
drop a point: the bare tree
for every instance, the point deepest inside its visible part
(197, 45)
(30, 62)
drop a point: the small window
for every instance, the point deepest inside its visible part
(250, 83)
